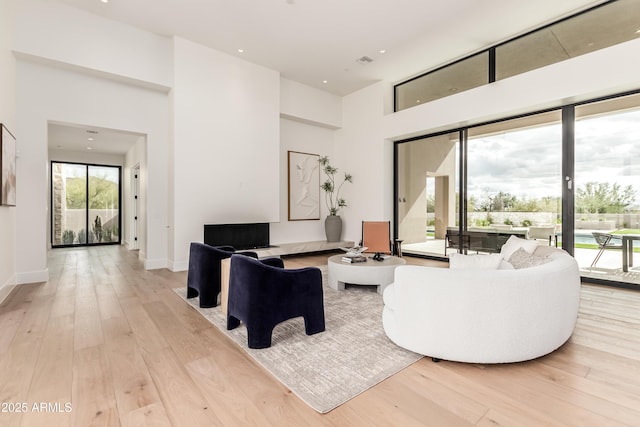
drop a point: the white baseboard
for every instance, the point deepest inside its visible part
(179, 266)
(32, 277)
(7, 287)
(155, 264)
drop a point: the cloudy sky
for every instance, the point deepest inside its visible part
(528, 162)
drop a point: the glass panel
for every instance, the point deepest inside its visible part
(607, 188)
(104, 204)
(69, 200)
(514, 180)
(427, 193)
(597, 29)
(457, 77)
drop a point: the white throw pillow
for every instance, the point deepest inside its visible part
(478, 262)
(514, 243)
(522, 259)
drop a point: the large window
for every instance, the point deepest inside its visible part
(458, 77)
(572, 172)
(514, 174)
(605, 25)
(85, 204)
(597, 29)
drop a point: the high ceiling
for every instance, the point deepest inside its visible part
(319, 42)
(312, 41)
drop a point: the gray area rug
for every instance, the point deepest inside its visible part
(327, 369)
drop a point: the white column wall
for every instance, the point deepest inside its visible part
(8, 118)
(361, 150)
(225, 143)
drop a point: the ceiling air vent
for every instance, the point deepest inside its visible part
(364, 60)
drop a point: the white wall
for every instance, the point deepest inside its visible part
(54, 31)
(225, 143)
(306, 104)
(361, 150)
(52, 94)
(304, 138)
(8, 118)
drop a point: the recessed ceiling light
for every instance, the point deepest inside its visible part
(638, 31)
(325, 81)
(104, 1)
(90, 139)
(89, 148)
(383, 50)
(240, 50)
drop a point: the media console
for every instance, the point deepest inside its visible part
(255, 237)
(240, 236)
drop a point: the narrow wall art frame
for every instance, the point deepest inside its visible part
(7, 167)
(304, 186)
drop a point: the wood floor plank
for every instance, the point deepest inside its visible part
(18, 362)
(116, 341)
(134, 388)
(185, 345)
(53, 376)
(183, 402)
(9, 323)
(93, 389)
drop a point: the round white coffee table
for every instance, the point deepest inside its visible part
(371, 272)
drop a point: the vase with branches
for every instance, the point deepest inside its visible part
(333, 223)
(332, 191)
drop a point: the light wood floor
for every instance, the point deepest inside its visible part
(119, 347)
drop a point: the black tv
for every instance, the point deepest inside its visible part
(240, 236)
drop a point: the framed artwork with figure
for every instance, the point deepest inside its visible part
(7, 167)
(304, 186)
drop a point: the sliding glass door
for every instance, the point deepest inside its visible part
(426, 187)
(514, 176)
(607, 189)
(85, 204)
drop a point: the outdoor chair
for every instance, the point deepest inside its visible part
(544, 232)
(605, 241)
(452, 240)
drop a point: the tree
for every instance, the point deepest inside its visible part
(103, 193)
(602, 197)
(499, 203)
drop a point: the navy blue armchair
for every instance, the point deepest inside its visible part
(262, 293)
(203, 277)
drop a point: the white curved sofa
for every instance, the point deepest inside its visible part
(483, 316)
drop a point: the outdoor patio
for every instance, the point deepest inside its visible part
(609, 266)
